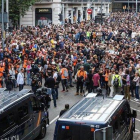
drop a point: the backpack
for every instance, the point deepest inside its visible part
(116, 82)
(65, 73)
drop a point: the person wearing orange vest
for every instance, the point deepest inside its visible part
(64, 78)
(106, 76)
(80, 78)
(1, 74)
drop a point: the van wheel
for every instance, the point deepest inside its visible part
(42, 131)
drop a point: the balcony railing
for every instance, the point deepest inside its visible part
(45, 1)
(84, 1)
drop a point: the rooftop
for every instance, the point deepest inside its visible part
(7, 98)
(94, 108)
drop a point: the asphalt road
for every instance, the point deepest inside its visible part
(71, 99)
(64, 98)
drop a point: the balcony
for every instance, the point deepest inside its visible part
(44, 1)
(84, 1)
(126, 1)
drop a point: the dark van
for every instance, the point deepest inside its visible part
(93, 113)
(22, 116)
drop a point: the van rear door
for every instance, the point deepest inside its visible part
(25, 120)
(37, 116)
(74, 131)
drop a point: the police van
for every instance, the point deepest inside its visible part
(22, 116)
(97, 118)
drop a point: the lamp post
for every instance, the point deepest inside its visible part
(2, 12)
(128, 6)
(136, 6)
(101, 12)
(7, 10)
(63, 14)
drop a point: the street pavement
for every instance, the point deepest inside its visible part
(71, 99)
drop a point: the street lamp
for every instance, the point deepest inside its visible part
(136, 6)
(101, 11)
(128, 6)
(2, 12)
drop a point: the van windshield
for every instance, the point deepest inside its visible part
(74, 132)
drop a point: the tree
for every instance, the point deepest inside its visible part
(18, 8)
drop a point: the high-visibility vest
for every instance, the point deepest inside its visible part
(75, 62)
(25, 63)
(1, 71)
(0, 82)
(94, 34)
(82, 73)
(106, 77)
(62, 73)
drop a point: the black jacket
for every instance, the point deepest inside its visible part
(50, 82)
(62, 112)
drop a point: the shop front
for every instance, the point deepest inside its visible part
(43, 16)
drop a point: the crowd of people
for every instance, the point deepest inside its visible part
(86, 55)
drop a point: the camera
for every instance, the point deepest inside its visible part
(10, 77)
(43, 96)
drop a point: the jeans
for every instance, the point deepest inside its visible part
(117, 90)
(111, 91)
(14, 83)
(127, 92)
(20, 87)
(80, 85)
(64, 84)
(90, 87)
(95, 89)
(132, 89)
(28, 78)
(52, 92)
(107, 88)
(53, 96)
(137, 92)
(56, 91)
(70, 78)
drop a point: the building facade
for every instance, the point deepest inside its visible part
(47, 11)
(125, 5)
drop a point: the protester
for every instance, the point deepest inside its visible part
(80, 78)
(64, 110)
(50, 84)
(20, 79)
(101, 50)
(96, 80)
(117, 83)
(136, 81)
(64, 78)
(126, 84)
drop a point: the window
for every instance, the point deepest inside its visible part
(23, 111)
(115, 129)
(35, 104)
(122, 119)
(7, 122)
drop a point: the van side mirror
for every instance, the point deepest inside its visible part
(42, 106)
(134, 114)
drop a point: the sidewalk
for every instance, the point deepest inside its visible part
(136, 136)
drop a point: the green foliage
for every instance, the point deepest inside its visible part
(17, 8)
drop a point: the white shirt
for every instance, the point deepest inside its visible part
(12, 73)
(20, 78)
(55, 75)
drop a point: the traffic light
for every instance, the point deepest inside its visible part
(60, 17)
